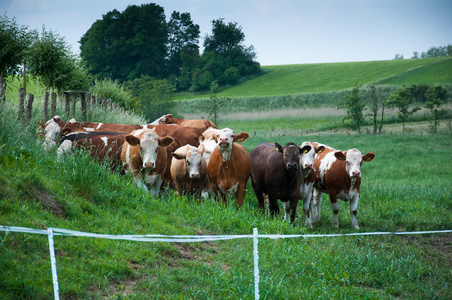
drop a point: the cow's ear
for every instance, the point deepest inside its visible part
(201, 149)
(66, 131)
(319, 149)
(369, 156)
(340, 155)
(278, 147)
(215, 137)
(132, 140)
(241, 137)
(201, 139)
(165, 141)
(178, 155)
(305, 149)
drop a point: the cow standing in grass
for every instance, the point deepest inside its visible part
(144, 155)
(189, 170)
(338, 173)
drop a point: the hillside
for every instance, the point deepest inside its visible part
(318, 78)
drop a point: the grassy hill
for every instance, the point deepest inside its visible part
(318, 78)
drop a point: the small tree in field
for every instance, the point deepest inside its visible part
(435, 96)
(215, 104)
(354, 106)
(403, 99)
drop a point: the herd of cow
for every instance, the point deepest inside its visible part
(194, 157)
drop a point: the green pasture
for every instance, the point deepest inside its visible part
(405, 188)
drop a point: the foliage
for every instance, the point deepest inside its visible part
(354, 107)
(114, 90)
(126, 45)
(153, 95)
(49, 60)
(436, 95)
(215, 105)
(403, 100)
(444, 51)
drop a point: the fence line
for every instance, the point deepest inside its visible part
(51, 232)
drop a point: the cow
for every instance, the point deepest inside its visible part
(189, 170)
(338, 173)
(208, 134)
(230, 166)
(144, 155)
(201, 124)
(102, 146)
(276, 172)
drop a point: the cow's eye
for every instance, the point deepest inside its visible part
(188, 162)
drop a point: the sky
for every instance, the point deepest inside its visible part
(281, 31)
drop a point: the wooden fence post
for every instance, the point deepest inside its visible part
(74, 100)
(46, 105)
(104, 103)
(29, 108)
(53, 104)
(83, 106)
(67, 101)
(21, 104)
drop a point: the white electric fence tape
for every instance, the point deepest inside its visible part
(50, 232)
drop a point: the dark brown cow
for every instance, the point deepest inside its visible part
(200, 124)
(338, 173)
(229, 166)
(276, 172)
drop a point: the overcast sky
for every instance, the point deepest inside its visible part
(281, 31)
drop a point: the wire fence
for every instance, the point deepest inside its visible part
(51, 232)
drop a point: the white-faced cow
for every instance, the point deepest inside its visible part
(144, 155)
(229, 166)
(338, 173)
(276, 172)
(189, 170)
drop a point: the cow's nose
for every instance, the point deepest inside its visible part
(223, 140)
(356, 173)
(194, 175)
(308, 166)
(292, 166)
(150, 165)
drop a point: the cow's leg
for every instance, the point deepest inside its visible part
(317, 200)
(354, 211)
(287, 210)
(293, 208)
(240, 194)
(259, 195)
(307, 207)
(335, 208)
(155, 182)
(273, 206)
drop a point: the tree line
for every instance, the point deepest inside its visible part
(441, 51)
(407, 100)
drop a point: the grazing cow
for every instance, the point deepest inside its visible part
(276, 173)
(338, 173)
(201, 125)
(229, 166)
(102, 146)
(189, 170)
(144, 155)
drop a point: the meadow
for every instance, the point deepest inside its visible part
(405, 188)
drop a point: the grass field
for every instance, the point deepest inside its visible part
(405, 188)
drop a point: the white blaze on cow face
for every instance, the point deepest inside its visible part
(148, 149)
(53, 133)
(307, 157)
(193, 159)
(225, 138)
(209, 146)
(353, 161)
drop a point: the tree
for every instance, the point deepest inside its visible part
(14, 44)
(354, 107)
(153, 95)
(126, 45)
(215, 105)
(114, 90)
(402, 99)
(183, 39)
(435, 96)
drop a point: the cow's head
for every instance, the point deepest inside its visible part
(149, 143)
(353, 161)
(225, 138)
(193, 159)
(307, 155)
(291, 155)
(209, 146)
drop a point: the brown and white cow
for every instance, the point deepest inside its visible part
(102, 146)
(200, 124)
(229, 166)
(144, 155)
(276, 173)
(338, 173)
(189, 170)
